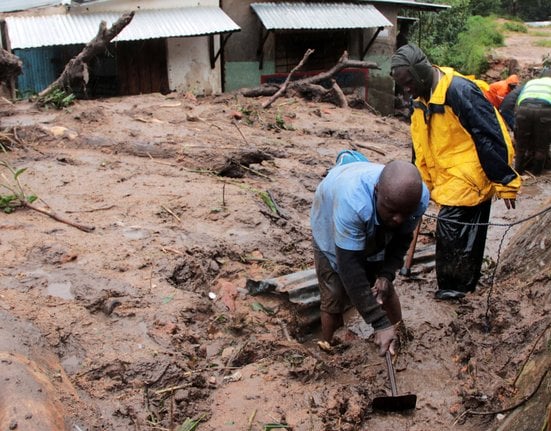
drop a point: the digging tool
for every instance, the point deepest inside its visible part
(406, 269)
(395, 403)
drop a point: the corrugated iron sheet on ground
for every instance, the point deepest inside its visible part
(301, 289)
(69, 29)
(319, 16)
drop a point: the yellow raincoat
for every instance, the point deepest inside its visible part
(462, 147)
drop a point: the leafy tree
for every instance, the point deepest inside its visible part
(469, 54)
(485, 7)
(527, 10)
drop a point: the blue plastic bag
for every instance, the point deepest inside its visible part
(349, 156)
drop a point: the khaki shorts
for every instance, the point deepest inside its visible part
(333, 297)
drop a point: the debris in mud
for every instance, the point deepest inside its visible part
(346, 408)
(237, 166)
(196, 272)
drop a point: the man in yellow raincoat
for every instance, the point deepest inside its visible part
(464, 153)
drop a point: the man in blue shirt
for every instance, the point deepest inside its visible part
(362, 218)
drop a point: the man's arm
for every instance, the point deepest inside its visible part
(353, 275)
(395, 251)
(478, 116)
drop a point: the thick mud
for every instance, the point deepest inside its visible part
(145, 321)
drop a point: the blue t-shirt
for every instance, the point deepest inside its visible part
(344, 210)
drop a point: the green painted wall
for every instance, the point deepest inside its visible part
(245, 74)
(381, 85)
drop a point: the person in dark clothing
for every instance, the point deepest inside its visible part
(464, 153)
(533, 124)
(507, 107)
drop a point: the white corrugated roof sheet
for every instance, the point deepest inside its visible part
(412, 4)
(68, 29)
(319, 16)
(17, 5)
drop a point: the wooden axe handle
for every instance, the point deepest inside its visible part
(411, 251)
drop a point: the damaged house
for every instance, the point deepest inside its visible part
(167, 46)
(275, 35)
(208, 47)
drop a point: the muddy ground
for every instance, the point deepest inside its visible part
(145, 321)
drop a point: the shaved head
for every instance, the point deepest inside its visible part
(399, 191)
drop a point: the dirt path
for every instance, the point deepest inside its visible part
(146, 321)
(528, 49)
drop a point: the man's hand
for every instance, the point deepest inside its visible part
(385, 339)
(510, 203)
(381, 289)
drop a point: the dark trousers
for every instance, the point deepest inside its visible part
(460, 242)
(532, 136)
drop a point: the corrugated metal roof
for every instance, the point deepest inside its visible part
(17, 5)
(318, 16)
(68, 29)
(412, 4)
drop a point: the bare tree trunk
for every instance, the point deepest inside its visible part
(10, 65)
(76, 71)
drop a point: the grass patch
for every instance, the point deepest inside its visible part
(545, 43)
(515, 26)
(539, 33)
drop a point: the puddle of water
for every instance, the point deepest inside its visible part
(60, 289)
(71, 364)
(134, 233)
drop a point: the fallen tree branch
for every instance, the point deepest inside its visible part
(310, 85)
(372, 148)
(57, 217)
(76, 71)
(506, 409)
(341, 98)
(283, 88)
(18, 198)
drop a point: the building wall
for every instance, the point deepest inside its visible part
(241, 63)
(381, 84)
(189, 66)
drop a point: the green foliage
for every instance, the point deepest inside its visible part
(526, 10)
(461, 36)
(191, 424)
(8, 203)
(546, 43)
(276, 426)
(267, 199)
(281, 124)
(440, 30)
(469, 54)
(485, 7)
(57, 99)
(15, 196)
(515, 26)
(465, 46)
